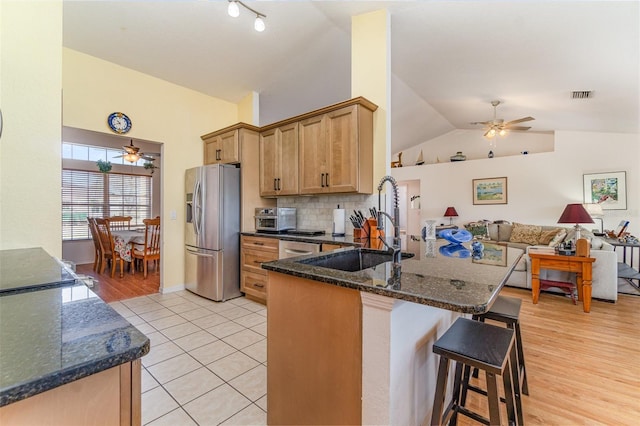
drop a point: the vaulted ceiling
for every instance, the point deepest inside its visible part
(449, 59)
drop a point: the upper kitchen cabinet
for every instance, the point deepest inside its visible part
(336, 149)
(223, 146)
(279, 161)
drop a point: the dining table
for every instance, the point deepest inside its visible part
(124, 239)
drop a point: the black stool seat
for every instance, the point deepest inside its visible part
(483, 346)
(507, 310)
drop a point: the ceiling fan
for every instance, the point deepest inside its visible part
(132, 153)
(497, 126)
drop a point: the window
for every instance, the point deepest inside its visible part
(94, 194)
(76, 151)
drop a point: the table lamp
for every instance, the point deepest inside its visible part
(451, 213)
(575, 213)
(596, 212)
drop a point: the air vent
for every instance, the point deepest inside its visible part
(582, 94)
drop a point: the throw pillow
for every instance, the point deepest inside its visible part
(529, 234)
(596, 243)
(558, 238)
(547, 236)
(584, 233)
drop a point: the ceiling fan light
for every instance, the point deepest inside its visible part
(233, 10)
(132, 158)
(259, 24)
(491, 133)
(503, 132)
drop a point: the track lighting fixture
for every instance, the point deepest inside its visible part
(234, 11)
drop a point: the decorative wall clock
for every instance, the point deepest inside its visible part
(119, 123)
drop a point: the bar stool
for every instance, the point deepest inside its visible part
(487, 347)
(507, 310)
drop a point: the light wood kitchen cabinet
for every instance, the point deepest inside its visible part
(336, 151)
(224, 148)
(279, 161)
(254, 252)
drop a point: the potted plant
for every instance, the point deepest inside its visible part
(149, 166)
(104, 166)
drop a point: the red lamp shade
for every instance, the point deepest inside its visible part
(451, 212)
(575, 213)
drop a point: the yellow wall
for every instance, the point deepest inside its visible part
(248, 109)
(161, 112)
(30, 98)
(371, 78)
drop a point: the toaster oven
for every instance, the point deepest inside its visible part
(275, 219)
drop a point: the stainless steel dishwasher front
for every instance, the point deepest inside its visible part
(296, 248)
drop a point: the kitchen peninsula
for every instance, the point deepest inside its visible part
(66, 357)
(355, 347)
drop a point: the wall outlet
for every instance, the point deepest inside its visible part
(173, 215)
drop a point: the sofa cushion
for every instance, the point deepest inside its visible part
(558, 238)
(547, 235)
(521, 233)
(493, 231)
(504, 231)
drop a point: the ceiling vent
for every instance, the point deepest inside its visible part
(582, 94)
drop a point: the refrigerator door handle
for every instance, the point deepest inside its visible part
(197, 208)
(199, 253)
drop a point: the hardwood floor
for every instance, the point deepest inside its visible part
(582, 368)
(116, 288)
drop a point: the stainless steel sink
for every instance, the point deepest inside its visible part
(353, 260)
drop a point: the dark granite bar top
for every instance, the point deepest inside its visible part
(31, 269)
(441, 274)
(54, 332)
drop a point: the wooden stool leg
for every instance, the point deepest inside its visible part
(441, 384)
(521, 367)
(516, 398)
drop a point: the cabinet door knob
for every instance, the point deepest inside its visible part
(322, 180)
(258, 285)
(218, 154)
(326, 180)
(275, 184)
(279, 188)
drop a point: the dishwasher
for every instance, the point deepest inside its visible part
(296, 248)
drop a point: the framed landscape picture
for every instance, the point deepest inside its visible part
(607, 189)
(490, 190)
(493, 254)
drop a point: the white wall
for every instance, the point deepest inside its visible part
(539, 184)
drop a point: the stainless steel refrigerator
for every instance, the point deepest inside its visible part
(212, 231)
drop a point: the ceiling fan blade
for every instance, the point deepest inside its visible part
(517, 127)
(147, 157)
(485, 123)
(519, 120)
(118, 156)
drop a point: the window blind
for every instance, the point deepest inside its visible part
(94, 194)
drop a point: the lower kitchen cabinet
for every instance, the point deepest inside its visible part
(254, 252)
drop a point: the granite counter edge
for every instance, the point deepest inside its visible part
(51, 381)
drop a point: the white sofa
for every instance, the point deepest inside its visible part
(605, 268)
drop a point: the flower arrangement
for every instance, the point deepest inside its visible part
(104, 166)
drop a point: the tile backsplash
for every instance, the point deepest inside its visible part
(316, 212)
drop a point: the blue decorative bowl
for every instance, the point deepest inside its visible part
(455, 250)
(456, 236)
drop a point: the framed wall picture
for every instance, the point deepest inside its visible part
(607, 189)
(490, 190)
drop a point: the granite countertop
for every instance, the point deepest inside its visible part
(346, 240)
(31, 269)
(57, 333)
(441, 275)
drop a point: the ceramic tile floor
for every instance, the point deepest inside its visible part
(207, 364)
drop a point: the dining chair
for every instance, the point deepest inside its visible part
(150, 250)
(97, 261)
(107, 246)
(120, 222)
